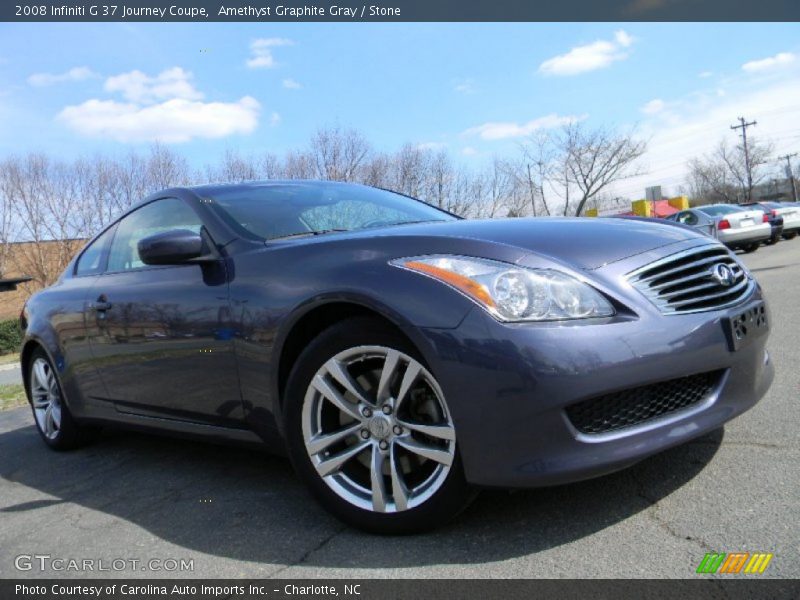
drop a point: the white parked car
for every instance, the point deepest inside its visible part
(791, 217)
(730, 224)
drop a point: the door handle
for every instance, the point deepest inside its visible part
(101, 304)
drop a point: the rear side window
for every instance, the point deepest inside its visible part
(91, 261)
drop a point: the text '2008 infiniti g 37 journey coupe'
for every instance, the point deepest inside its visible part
(402, 357)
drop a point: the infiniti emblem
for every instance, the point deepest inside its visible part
(379, 426)
(723, 274)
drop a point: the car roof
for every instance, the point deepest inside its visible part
(209, 189)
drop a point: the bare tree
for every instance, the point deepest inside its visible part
(299, 165)
(234, 167)
(8, 224)
(337, 154)
(377, 171)
(536, 168)
(594, 159)
(165, 168)
(725, 176)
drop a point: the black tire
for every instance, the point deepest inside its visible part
(70, 434)
(451, 497)
(790, 236)
(772, 241)
(750, 248)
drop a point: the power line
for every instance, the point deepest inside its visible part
(743, 126)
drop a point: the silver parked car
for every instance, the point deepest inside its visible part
(732, 225)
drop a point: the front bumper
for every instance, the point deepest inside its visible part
(508, 385)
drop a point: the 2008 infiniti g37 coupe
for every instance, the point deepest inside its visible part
(401, 356)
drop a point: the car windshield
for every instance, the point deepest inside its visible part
(282, 210)
(718, 210)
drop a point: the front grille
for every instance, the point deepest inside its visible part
(685, 282)
(634, 406)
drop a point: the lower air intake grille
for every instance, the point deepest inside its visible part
(628, 408)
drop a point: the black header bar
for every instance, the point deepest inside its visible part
(397, 10)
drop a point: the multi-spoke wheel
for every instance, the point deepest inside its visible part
(45, 398)
(51, 413)
(374, 431)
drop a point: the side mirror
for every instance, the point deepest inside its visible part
(172, 247)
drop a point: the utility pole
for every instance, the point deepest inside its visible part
(743, 126)
(790, 173)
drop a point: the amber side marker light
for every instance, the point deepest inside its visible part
(469, 286)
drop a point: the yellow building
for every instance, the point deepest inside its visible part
(647, 208)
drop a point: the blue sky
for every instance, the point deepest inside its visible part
(475, 89)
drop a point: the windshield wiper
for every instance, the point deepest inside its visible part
(304, 233)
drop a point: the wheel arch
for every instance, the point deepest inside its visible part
(322, 315)
(28, 348)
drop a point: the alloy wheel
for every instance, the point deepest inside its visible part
(45, 398)
(377, 429)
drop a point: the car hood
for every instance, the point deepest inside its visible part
(587, 243)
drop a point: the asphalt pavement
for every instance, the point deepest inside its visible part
(10, 374)
(240, 513)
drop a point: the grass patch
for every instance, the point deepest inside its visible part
(12, 395)
(7, 359)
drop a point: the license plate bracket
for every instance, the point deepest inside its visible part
(745, 325)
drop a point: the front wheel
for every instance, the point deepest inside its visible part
(790, 236)
(370, 432)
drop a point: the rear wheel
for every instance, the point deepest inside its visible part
(750, 248)
(789, 236)
(370, 432)
(50, 411)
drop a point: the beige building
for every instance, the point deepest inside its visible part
(43, 261)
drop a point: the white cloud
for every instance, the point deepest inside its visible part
(74, 74)
(589, 57)
(261, 52)
(469, 151)
(165, 108)
(274, 120)
(431, 146)
(654, 106)
(693, 125)
(464, 86)
(135, 86)
(779, 60)
(500, 130)
(291, 84)
(623, 38)
(173, 121)
(704, 74)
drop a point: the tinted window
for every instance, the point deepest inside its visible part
(278, 210)
(91, 261)
(158, 216)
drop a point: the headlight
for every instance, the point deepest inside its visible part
(512, 293)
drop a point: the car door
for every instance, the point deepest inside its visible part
(164, 345)
(67, 302)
